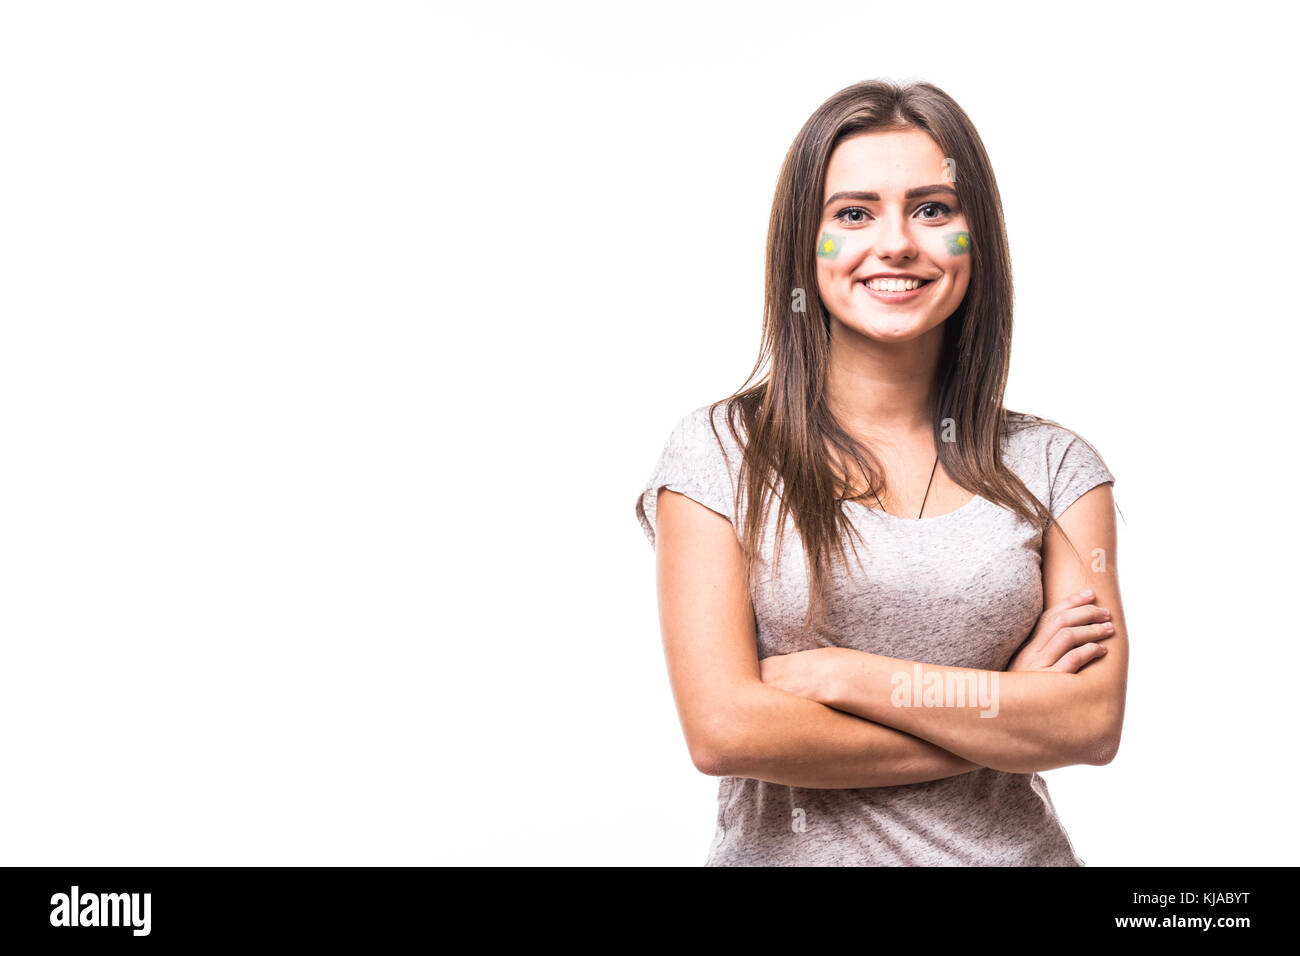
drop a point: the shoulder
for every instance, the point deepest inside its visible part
(1026, 434)
(705, 432)
(701, 459)
(1054, 460)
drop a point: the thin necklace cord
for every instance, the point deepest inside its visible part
(927, 491)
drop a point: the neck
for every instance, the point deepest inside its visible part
(882, 388)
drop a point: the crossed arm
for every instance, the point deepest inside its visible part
(824, 718)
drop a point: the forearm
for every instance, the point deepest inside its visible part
(1020, 721)
(768, 734)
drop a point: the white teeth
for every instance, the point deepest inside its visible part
(893, 285)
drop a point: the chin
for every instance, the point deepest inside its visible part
(893, 332)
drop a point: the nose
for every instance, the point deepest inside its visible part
(894, 239)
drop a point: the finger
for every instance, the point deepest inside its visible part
(1075, 660)
(1074, 600)
(1070, 607)
(1084, 614)
(1068, 638)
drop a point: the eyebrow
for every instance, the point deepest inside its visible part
(875, 197)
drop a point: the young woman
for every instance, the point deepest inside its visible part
(895, 708)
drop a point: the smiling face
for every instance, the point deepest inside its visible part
(891, 213)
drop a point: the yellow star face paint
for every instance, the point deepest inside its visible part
(958, 242)
(829, 245)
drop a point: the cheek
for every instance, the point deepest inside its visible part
(950, 247)
(828, 280)
(953, 252)
(838, 254)
(830, 246)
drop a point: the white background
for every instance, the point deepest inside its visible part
(339, 338)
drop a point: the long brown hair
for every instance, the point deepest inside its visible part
(788, 426)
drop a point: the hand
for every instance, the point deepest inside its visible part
(1067, 637)
(811, 674)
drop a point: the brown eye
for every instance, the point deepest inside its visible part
(941, 210)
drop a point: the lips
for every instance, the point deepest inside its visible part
(896, 291)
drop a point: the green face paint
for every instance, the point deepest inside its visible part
(828, 246)
(958, 242)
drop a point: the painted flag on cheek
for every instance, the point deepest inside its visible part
(958, 242)
(828, 246)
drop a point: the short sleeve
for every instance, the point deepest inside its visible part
(1076, 469)
(692, 463)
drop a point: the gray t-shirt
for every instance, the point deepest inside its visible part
(962, 589)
